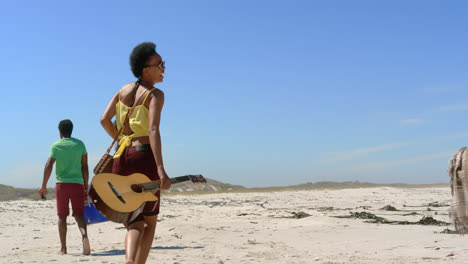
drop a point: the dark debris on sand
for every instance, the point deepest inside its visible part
(426, 220)
(329, 209)
(365, 215)
(295, 215)
(322, 209)
(448, 231)
(437, 204)
(299, 215)
(412, 213)
(389, 208)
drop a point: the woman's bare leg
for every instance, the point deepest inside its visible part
(146, 239)
(132, 240)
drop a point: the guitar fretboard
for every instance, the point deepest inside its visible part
(156, 184)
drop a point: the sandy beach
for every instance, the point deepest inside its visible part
(256, 227)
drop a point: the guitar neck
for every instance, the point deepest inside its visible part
(156, 184)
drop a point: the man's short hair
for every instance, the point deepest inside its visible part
(66, 127)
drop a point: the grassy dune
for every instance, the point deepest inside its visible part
(8, 193)
(317, 186)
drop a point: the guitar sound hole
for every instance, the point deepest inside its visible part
(136, 188)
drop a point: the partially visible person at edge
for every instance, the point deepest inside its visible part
(71, 183)
(140, 141)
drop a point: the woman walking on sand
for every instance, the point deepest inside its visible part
(140, 141)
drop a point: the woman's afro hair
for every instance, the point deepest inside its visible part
(139, 56)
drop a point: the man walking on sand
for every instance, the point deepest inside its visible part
(72, 182)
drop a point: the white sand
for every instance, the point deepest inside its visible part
(215, 228)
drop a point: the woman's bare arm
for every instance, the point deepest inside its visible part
(109, 113)
(155, 107)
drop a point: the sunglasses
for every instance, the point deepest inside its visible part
(160, 65)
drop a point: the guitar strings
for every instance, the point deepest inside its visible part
(158, 183)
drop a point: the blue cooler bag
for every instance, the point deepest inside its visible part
(91, 214)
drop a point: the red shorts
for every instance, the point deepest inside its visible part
(139, 159)
(65, 192)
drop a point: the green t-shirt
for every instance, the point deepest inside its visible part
(68, 152)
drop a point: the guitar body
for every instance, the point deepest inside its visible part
(121, 199)
(114, 198)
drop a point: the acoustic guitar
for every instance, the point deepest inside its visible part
(122, 198)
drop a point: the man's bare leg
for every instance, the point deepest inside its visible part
(146, 239)
(80, 220)
(132, 240)
(62, 226)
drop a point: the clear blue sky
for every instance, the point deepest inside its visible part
(258, 93)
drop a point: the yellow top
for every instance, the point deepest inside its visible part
(138, 122)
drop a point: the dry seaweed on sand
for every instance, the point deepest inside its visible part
(433, 204)
(299, 215)
(295, 215)
(426, 220)
(365, 215)
(412, 213)
(389, 208)
(437, 204)
(329, 208)
(365, 207)
(448, 231)
(321, 209)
